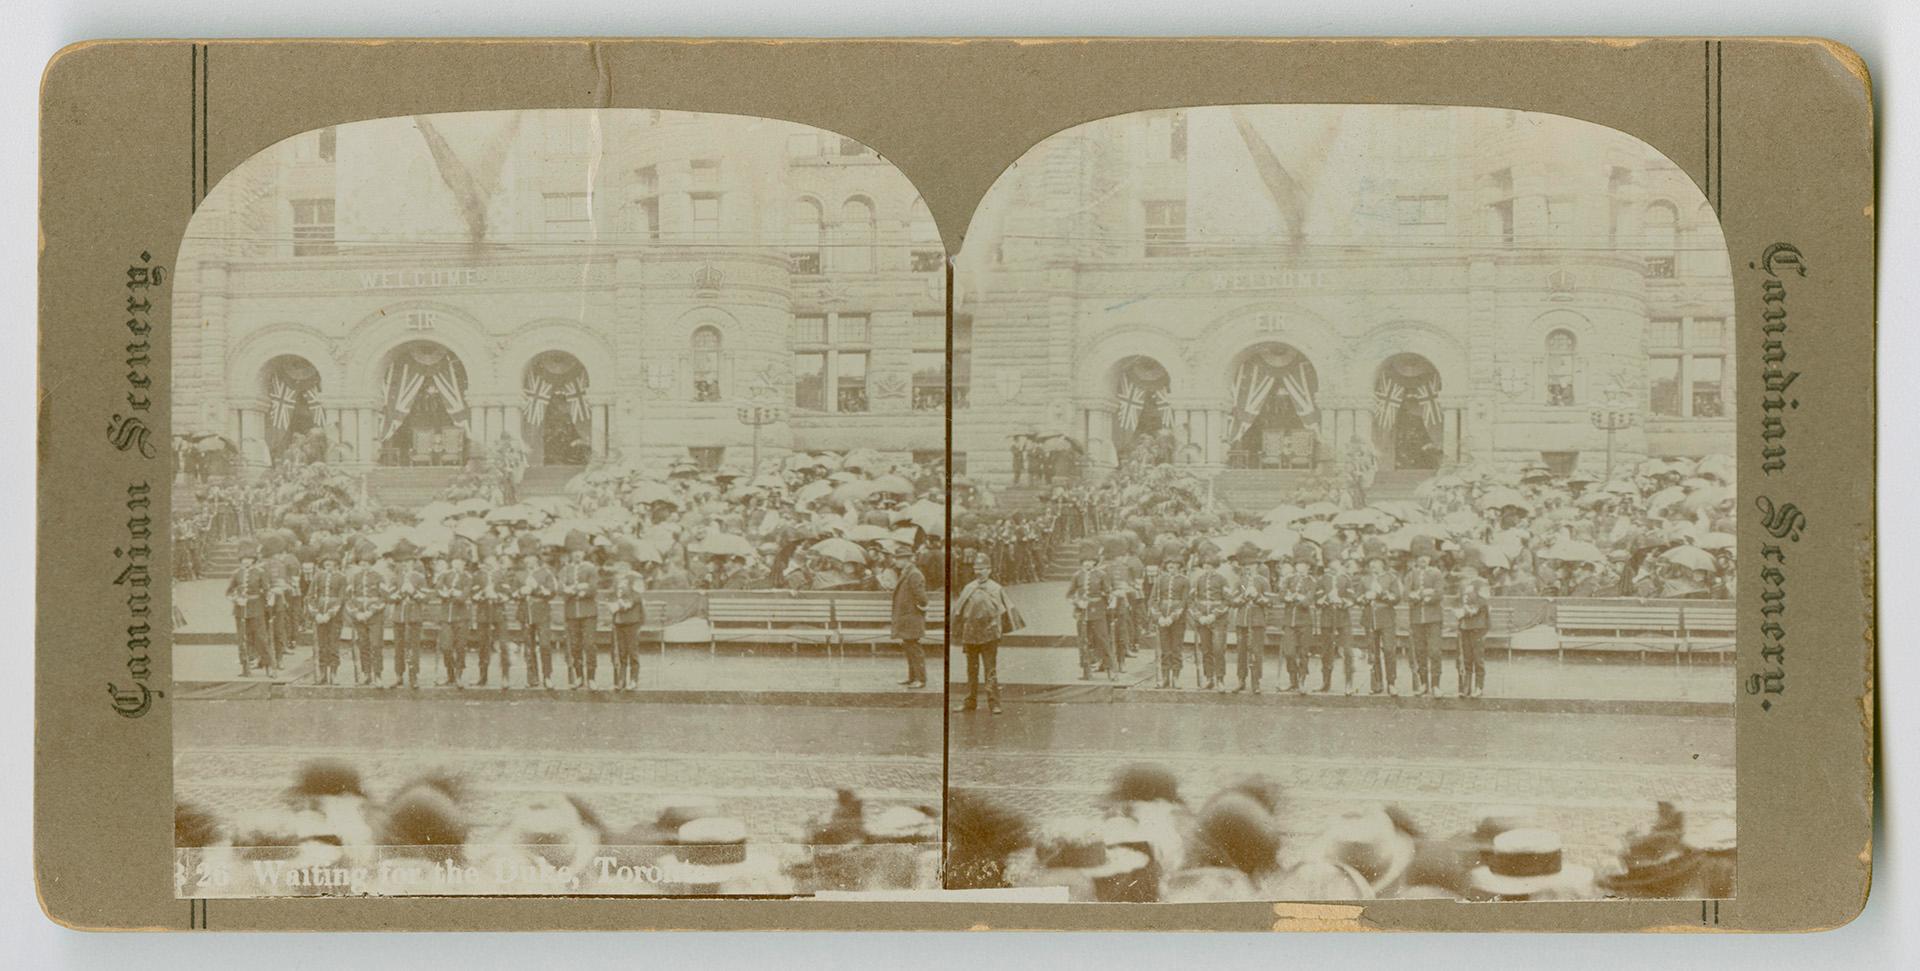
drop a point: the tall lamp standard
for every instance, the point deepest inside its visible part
(1611, 420)
(755, 416)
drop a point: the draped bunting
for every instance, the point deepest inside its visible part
(1390, 394)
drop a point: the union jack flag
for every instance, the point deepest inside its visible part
(1429, 397)
(281, 400)
(448, 385)
(1388, 395)
(1250, 391)
(576, 393)
(538, 393)
(402, 387)
(312, 398)
(1295, 384)
(1134, 401)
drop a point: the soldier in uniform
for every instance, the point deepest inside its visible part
(1470, 672)
(538, 585)
(1299, 591)
(1168, 595)
(1208, 614)
(1423, 585)
(1379, 595)
(1349, 610)
(1091, 593)
(408, 608)
(247, 590)
(488, 588)
(283, 602)
(450, 584)
(1249, 618)
(581, 583)
(326, 596)
(367, 609)
(1123, 575)
(629, 611)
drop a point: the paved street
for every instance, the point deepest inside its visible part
(1592, 776)
(776, 766)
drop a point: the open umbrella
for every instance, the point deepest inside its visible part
(868, 533)
(840, 549)
(1322, 509)
(516, 513)
(437, 511)
(817, 489)
(1317, 531)
(470, 527)
(930, 516)
(431, 537)
(723, 544)
(647, 492)
(1277, 537)
(1284, 514)
(1691, 557)
(1502, 497)
(1574, 551)
(1716, 541)
(856, 491)
(1706, 498)
(895, 484)
(1665, 498)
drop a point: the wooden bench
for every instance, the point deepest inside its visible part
(867, 618)
(792, 618)
(1619, 625)
(1708, 629)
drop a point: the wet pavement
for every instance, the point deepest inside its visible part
(775, 766)
(1592, 777)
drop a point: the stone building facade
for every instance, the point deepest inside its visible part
(1447, 285)
(617, 284)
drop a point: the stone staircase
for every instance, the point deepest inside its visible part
(221, 560)
(408, 488)
(548, 480)
(1255, 491)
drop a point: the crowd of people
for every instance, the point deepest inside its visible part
(440, 833)
(321, 565)
(1148, 842)
(1164, 566)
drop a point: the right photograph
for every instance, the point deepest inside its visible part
(1343, 508)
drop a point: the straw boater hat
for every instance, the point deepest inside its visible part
(1527, 862)
(712, 853)
(1075, 853)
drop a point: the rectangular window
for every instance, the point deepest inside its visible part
(1166, 228)
(1703, 373)
(929, 380)
(852, 147)
(850, 381)
(928, 260)
(1706, 332)
(313, 227)
(646, 180)
(1660, 267)
(1421, 210)
(565, 209)
(850, 329)
(1177, 138)
(804, 263)
(1663, 386)
(810, 381)
(1663, 332)
(329, 143)
(649, 218)
(706, 172)
(809, 330)
(706, 216)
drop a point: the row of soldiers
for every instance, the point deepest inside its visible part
(1340, 611)
(550, 603)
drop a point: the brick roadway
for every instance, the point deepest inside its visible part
(1592, 777)
(775, 766)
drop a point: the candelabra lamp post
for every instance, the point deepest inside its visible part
(1611, 420)
(756, 416)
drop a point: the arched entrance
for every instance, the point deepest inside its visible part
(423, 406)
(1142, 431)
(555, 419)
(1274, 419)
(296, 423)
(1409, 425)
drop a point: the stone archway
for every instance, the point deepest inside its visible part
(555, 418)
(1273, 420)
(1409, 418)
(423, 406)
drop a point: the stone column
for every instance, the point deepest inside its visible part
(601, 415)
(1450, 434)
(253, 438)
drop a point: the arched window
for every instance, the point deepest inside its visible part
(706, 364)
(1662, 239)
(803, 235)
(1561, 348)
(853, 247)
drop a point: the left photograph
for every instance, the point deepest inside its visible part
(559, 508)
